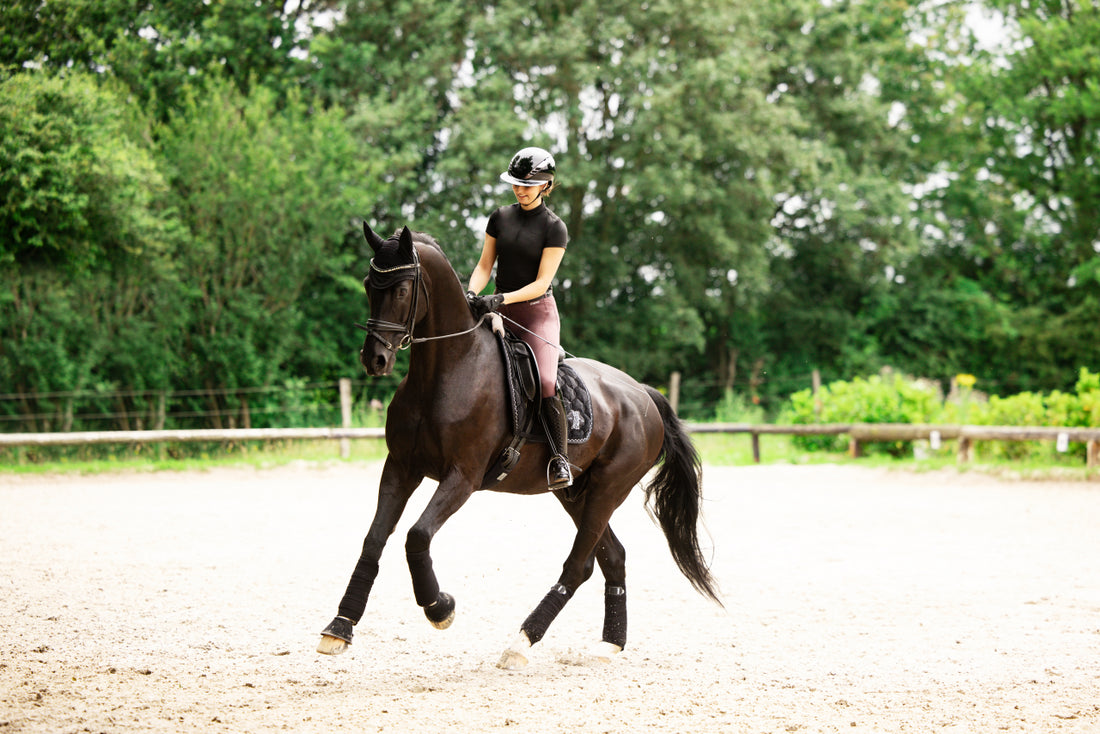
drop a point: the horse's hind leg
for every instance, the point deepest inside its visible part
(593, 538)
(611, 555)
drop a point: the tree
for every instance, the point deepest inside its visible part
(86, 261)
(268, 195)
(157, 49)
(75, 188)
(1011, 210)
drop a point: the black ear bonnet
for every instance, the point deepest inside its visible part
(392, 263)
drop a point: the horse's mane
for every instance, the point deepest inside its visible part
(423, 238)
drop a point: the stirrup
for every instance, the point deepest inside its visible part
(556, 480)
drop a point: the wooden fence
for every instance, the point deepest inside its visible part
(858, 434)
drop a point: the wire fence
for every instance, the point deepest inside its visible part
(292, 405)
(300, 404)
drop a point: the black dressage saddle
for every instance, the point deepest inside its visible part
(521, 378)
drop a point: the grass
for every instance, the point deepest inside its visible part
(715, 449)
(183, 457)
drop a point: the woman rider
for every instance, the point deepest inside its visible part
(527, 242)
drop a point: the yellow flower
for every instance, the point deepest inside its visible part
(965, 380)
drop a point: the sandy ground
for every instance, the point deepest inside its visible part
(856, 600)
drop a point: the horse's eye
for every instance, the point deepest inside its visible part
(402, 291)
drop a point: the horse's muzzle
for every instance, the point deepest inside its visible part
(377, 362)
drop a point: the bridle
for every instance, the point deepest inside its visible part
(382, 279)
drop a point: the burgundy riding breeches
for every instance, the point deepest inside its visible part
(541, 317)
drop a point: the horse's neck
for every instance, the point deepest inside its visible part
(444, 360)
(457, 360)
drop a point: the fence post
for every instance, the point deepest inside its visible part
(345, 415)
(755, 447)
(966, 449)
(815, 384)
(674, 391)
(1092, 453)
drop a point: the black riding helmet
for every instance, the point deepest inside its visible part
(530, 167)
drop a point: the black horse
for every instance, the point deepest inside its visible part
(449, 421)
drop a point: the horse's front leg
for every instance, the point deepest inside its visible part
(452, 493)
(394, 491)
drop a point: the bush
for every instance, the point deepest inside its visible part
(877, 399)
(734, 408)
(899, 399)
(1036, 409)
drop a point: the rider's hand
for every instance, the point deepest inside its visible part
(482, 305)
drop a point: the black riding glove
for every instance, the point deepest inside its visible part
(482, 305)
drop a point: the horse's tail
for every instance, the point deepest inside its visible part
(673, 495)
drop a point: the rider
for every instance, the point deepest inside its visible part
(527, 242)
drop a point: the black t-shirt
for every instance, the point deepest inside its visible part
(521, 236)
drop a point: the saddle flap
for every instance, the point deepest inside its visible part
(527, 369)
(524, 388)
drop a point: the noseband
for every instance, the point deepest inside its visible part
(382, 279)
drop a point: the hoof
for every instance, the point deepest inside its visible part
(514, 657)
(336, 637)
(330, 645)
(441, 613)
(604, 651)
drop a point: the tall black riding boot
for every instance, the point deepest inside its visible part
(558, 475)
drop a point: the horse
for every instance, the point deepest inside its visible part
(448, 421)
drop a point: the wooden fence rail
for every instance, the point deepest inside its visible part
(858, 434)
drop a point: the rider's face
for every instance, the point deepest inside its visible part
(528, 196)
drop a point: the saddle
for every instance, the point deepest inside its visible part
(522, 386)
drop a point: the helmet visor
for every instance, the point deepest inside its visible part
(537, 179)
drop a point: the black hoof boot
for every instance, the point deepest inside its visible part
(340, 628)
(441, 612)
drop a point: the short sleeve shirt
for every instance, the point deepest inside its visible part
(521, 237)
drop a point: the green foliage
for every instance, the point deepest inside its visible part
(76, 191)
(268, 194)
(891, 398)
(734, 408)
(752, 191)
(898, 399)
(157, 50)
(1054, 409)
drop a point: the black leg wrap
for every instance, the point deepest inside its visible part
(440, 609)
(340, 628)
(355, 598)
(425, 586)
(538, 621)
(614, 615)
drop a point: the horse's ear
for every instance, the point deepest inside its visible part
(405, 245)
(372, 239)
